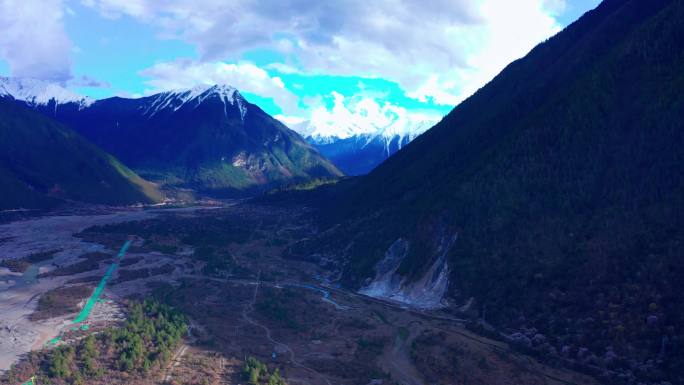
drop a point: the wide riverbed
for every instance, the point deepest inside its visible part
(19, 293)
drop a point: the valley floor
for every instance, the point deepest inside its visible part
(224, 269)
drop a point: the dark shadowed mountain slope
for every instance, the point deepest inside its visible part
(43, 162)
(554, 197)
(207, 138)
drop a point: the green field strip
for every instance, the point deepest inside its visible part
(94, 298)
(85, 312)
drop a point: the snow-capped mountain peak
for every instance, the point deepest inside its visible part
(176, 99)
(322, 131)
(37, 92)
(206, 90)
(360, 133)
(364, 118)
(355, 145)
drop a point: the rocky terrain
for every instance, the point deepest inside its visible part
(223, 269)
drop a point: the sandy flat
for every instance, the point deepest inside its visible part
(18, 335)
(18, 299)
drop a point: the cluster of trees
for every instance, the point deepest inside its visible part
(216, 232)
(219, 262)
(61, 362)
(75, 365)
(20, 265)
(210, 237)
(274, 306)
(257, 373)
(152, 331)
(143, 343)
(15, 265)
(277, 193)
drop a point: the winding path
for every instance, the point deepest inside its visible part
(498, 346)
(293, 358)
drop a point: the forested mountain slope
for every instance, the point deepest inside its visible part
(554, 197)
(207, 138)
(43, 162)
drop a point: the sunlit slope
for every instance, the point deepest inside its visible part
(208, 138)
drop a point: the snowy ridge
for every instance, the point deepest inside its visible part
(327, 131)
(365, 119)
(40, 93)
(37, 93)
(409, 130)
(193, 97)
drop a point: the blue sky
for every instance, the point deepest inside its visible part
(290, 57)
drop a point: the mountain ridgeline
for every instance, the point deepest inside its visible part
(551, 201)
(43, 163)
(208, 138)
(358, 147)
(360, 154)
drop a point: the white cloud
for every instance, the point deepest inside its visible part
(87, 81)
(555, 7)
(511, 30)
(290, 120)
(283, 68)
(441, 51)
(33, 40)
(245, 76)
(115, 8)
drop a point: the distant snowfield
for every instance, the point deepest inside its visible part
(358, 144)
(327, 131)
(40, 92)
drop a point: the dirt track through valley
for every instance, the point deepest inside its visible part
(293, 358)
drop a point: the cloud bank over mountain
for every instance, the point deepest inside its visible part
(465, 42)
(289, 56)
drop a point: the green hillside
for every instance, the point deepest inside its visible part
(208, 139)
(563, 179)
(42, 162)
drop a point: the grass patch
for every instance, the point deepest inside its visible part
(91, 262)
(61, 301)
(20, 265)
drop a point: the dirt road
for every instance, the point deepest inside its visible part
(293, 357)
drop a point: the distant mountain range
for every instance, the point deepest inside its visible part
(207, 138)
(358, 148)
(43, 163)
(133, 129)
